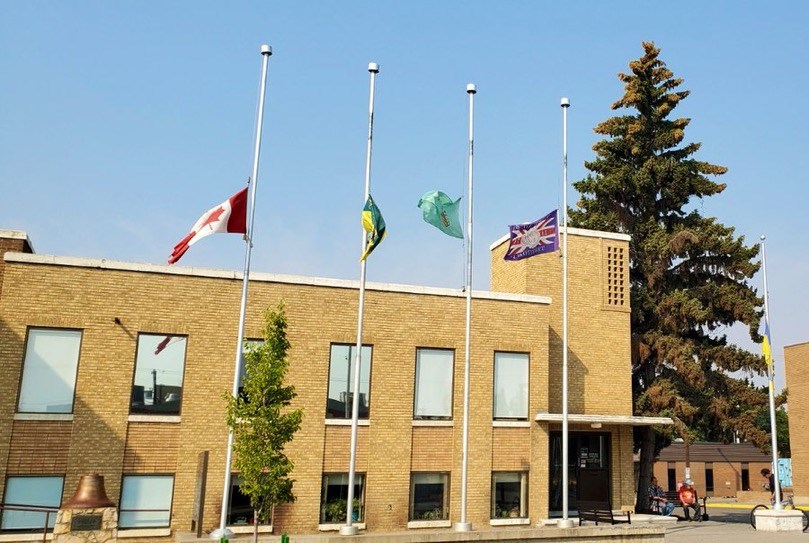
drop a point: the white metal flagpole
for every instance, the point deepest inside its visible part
(771, 375)
(463, 525)
(349, 528)
(222, 531)
(565, 522)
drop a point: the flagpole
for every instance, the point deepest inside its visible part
(565, 522)
(349, 528)
(771, 375)
(222, 531)
(463, 525)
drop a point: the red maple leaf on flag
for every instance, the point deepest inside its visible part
(213, 217)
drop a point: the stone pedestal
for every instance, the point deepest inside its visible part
(773, 520)
(89, 516)
(97, 525)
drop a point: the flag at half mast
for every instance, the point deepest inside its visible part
(441, 211)
(540, 236)
(374, 225)
(228, 217)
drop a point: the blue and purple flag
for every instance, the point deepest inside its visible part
(534, 238)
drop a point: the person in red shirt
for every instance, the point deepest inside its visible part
(688, 497)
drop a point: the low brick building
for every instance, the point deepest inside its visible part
(717, 469)
(119, 368)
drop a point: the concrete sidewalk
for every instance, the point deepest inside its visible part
(729, 524)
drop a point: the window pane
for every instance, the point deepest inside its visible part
(249, 345)
(41, 491)
(158, 385)
(240, 512)
(428, 496)
(49, 371)
(509, 495)
(341, 381)
(334, 498)
(433, 383)
(510, 386)
(146, 492)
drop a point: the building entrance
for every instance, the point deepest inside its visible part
(588, 469)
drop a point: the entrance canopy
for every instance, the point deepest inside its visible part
(604, 419)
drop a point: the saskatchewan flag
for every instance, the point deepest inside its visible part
(439, 210)
(374, 224)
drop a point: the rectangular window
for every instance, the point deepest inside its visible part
(511, 386)
(158, 383)
(510, 495)
(429, 496)
(49, 371)
(334, 498)
(709, 476)
(146, 501)
(32, 491)
(433, 384)
(240, 512)
(672, 476)
(341, 381)
(249, 345)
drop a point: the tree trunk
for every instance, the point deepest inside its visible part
(647, 452)
(255, 525)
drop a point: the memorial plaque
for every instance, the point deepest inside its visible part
(85, 523)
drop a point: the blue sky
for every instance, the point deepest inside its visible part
(123, 121)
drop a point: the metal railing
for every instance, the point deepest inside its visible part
(30, 509)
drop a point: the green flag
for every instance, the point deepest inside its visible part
(374, 224)
(440, 211)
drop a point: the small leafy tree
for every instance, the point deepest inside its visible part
(262, 423)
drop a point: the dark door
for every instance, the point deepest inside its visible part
(588, 461)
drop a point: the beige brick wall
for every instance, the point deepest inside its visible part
(39, 447)
(599, 363)
(796, 363)
(103, 439)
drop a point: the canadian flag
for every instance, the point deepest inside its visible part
(229, 217)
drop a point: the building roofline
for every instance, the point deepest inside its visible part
(102, 263)
(796, 344)
(574, 232)
(17, 234)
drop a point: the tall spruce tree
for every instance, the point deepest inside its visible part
(690, 275)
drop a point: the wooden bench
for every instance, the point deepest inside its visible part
(599, 512)
(674, 497)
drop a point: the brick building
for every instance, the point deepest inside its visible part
(82, 390)
(717, 469)
(796, 360)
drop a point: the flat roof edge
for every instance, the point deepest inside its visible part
(574, 232)
(630, 420)
(17, 234)
(102, 263)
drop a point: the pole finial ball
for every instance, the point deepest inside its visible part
(373, 67)
(763, 237)
(471, 88)
(565, 102)
(266, 49)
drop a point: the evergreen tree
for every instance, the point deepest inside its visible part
(689, 274)
(262, 423)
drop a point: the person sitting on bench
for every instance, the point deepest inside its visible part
(657, 499)
(688, 497)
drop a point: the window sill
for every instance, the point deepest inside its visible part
(509, 521)
(511, 424)
(336, 526)
(172, 419)
(347, 422)
(429, 524)
(124, 533)
(248, 529)
(25, 537)
(419, 422)
(44, 416)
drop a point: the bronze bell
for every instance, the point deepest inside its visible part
(90, 494)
